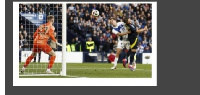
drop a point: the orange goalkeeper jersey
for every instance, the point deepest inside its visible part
(43, 33)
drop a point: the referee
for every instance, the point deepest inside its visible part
(132, 37)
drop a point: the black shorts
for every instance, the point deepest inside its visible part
(133, 43)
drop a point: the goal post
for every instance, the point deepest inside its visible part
(64, 70)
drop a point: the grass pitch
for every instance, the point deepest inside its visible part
(88, 70)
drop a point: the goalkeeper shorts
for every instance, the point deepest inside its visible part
(42, 47)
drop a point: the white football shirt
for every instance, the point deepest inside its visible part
(120, 28)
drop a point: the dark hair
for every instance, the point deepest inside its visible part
(126, 20)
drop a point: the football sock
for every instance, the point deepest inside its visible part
(28, 60)
(51, 61)
(132, 57)
(115, 62)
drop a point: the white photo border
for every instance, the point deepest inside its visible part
(82, 81)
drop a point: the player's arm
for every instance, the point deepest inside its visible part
(51, 34)
(119, 34)
(141, 30)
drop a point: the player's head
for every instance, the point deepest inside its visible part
(127, 21)
(50, 18)
(113, 21)
(90, 39)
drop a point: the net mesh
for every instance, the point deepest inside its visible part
(31, 15)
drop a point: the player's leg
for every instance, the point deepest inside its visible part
(48, 50)
(129, 52)
(119, 48)
(133, 48)
(28, 60)
(127, 58)
(116, 58)
(124, 62)
(34, 54)
(132, 64)
(51, 61)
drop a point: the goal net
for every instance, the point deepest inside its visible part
(31, 16)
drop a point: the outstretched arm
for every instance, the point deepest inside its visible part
(142, 30)
(51, 34)
(119, 34)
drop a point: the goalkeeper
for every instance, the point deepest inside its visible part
(41, 37)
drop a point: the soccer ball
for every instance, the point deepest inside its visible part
(95, 13)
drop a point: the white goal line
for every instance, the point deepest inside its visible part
(40, 75)
(51, 75)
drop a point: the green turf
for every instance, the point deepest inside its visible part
(89, 70)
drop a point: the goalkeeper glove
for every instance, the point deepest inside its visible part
(59, 44)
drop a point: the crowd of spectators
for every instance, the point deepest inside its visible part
(81, 21)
